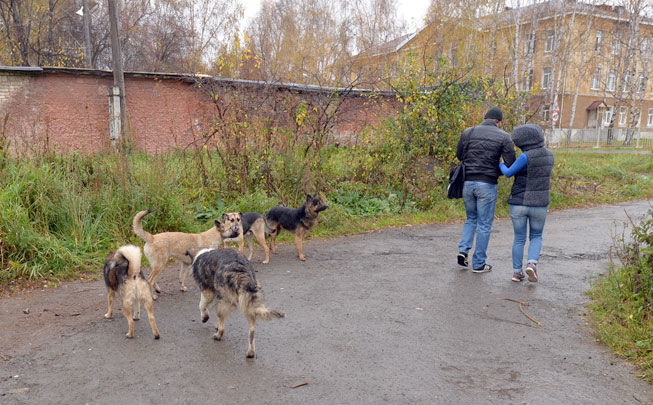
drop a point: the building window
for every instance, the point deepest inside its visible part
(643, 47)
(596, 79)
(599, 40)
(528, 79)
(607, 117)
(641, 84)
(625, 81)
(546, 78)
(649, 121)
(546, 114)
(616, 47)
(548, 47)
(453, 54)
(623, 116)
(612, 78)
(529, 45)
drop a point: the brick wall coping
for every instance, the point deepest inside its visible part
(192, 78)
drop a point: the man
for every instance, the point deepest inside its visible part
(480, 148)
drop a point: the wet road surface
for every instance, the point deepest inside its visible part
(381, 317)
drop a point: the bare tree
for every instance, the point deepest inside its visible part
(621, 83)
(580, 73)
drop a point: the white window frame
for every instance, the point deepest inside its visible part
(607, 116)
(546, 113)
(623, 116)
(616, 47)
(596, 80)
(649, 121)
(625, 81)
(599, 41)
(548, 45)
(612, 80)
(641, 84)
(529, 44)
(643, 47)
(528, 79)
(547, 77)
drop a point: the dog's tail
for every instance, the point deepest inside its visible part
(132, 254)
(137, 225)
(267, 314)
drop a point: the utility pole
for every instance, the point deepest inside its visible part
(86, 20)
(116, 61)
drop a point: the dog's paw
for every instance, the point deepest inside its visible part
(251, 355)
(183, 288)
(129, 335)
(205, 318)
(156, 337)
(266, 261)
(302, 258)
(108, 315)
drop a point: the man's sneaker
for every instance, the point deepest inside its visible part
(462, 259)
(486, 268)
(531, 271)
(518, 276)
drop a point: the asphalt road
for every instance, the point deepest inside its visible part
(382, 317)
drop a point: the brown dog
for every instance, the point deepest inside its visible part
(252, 226)
(158, 248)
(298, 220)
(122, 274)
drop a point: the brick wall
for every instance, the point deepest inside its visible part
(68, 110)
(9, 84)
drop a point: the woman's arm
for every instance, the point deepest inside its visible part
(519, 164)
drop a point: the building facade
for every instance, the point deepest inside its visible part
(587, 67)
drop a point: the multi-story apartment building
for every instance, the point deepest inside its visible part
(588, 66)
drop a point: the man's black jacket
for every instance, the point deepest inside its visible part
(481, 148)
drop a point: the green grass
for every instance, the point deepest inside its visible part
(622, 300)
(60, 214)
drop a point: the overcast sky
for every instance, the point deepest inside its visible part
(413, 11)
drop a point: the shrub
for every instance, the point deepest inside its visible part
(622, 301)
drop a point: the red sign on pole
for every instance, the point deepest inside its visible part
(555, 112)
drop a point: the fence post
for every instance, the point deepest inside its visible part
(598, 136)
(114, 115)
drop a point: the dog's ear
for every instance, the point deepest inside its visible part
(224, 216)
(240, 214)
(308, 197)
(217, 222)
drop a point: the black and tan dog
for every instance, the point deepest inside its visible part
(160, 247)
(298, 220)
(252, 226)
(228, 276)
(122, 274)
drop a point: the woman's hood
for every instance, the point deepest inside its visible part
(528, 136)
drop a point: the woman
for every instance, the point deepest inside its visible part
(529, 198)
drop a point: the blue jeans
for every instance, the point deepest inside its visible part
(524, 217)
(480, 201)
